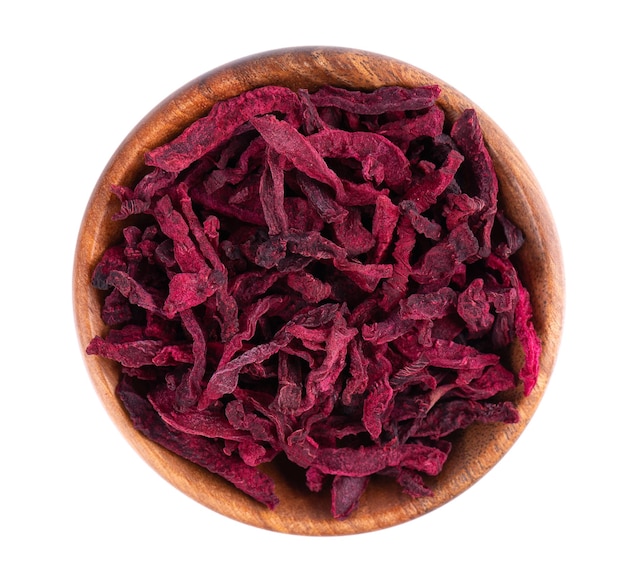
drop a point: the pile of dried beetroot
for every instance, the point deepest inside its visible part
(322, 276)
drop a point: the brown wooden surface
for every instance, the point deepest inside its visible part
(299, 511)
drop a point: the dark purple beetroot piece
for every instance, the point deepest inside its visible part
(326, 277)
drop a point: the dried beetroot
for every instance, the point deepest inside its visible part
(324, 277)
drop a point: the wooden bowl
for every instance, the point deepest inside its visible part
(479, 448)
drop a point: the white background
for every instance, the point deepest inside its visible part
(78, 504)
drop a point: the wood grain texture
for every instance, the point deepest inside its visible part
(299, 511)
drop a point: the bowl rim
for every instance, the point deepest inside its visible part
(294, 67)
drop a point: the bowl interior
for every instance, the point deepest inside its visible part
(478, 449)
